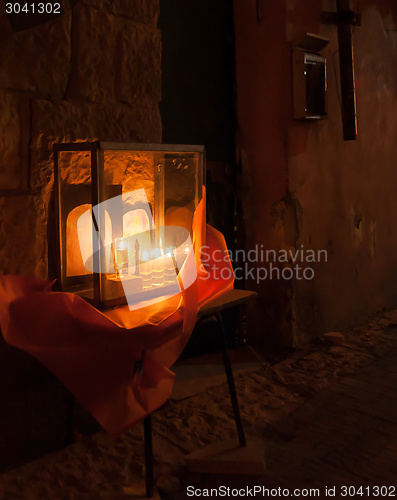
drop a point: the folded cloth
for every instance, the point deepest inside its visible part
(94, 353)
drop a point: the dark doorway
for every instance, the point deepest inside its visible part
(198, 107)
(198, 98)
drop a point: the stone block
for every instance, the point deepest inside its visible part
(23, 238)
(114, 58)
(142, 11)
(334, 338)
(138, 74)
(66, 121)
(14, 140)
(228, 457)
(36, 60)
(94, 40)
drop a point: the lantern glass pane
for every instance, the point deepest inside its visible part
(75, 222)
(182, 191)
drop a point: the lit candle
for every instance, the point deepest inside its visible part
(169, 271)
(158, 268)
(121, 256)
(145, 270)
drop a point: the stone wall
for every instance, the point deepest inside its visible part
(92, 73)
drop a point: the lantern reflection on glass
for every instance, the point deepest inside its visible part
(114, 203)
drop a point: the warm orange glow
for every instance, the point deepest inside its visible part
(135, 222)
(79, 249)
(75, 264)
(157, 266)
(95, 352)
(179, 216)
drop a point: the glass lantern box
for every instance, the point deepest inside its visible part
(123, 212)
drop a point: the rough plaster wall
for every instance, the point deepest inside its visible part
(261, 55)
(342, 193)
(92, 73)
(346, 190)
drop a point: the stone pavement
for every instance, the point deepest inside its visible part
(327, 416)
(347, 435)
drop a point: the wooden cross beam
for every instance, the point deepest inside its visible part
(345, 18)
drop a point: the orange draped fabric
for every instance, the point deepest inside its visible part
(93, 353)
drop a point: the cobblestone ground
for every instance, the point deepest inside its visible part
(327, 417)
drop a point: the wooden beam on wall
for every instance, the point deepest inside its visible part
(346, 62)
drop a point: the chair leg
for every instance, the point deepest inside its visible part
(71, 403)
(147, 430)
(231, 383)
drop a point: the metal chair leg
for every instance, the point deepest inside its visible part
(71, 403)
(231, 384)
(147, 430)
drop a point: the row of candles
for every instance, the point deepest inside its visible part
(156, 267)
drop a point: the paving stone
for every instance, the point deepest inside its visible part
(350, 428)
